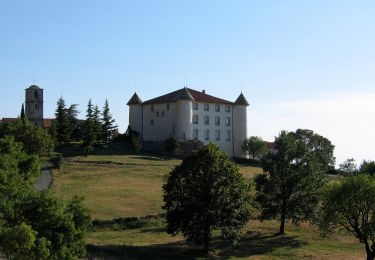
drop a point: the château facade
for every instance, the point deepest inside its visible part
(187, 114)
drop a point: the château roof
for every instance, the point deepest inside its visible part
(134, 100)
(189, 94)
(241, 100)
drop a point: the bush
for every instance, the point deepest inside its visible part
(58, 161)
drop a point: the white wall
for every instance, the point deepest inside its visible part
(239, 129)
(226, 146)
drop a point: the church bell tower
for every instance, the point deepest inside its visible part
(34, 105)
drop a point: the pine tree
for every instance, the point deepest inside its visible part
(62, 123)
(97, 124)
(108, 127)
(89, 137)
(22, 112)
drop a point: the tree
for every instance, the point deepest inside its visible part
(22, 116)
(62, 123)
(290, 185)
(97, 124)
(171, 146)
(108, 127)
(36, 225)
(34, 139)
(255, 146)
(367, 167)
(204, 193)
(348, 166)
(72, 114)
(350, 205)
(90, 135)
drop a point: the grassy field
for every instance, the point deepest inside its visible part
(125, 184)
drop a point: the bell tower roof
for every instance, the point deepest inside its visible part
(134, 100)
(33, 87)
(184, 94)
(241, 100)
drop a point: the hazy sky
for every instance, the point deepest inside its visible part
(301, 64)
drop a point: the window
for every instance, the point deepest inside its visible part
(167, 106)
(227, 108)
(36, 107)
(217, 120)
(152, 122)
(195, 106)
(217, 135)
(207, 134)
(195, 119)
(152, 107)
(228, 136)
(157, 113)
(206, 107)
(36, 95)
(227, 121)
(206, 120)
(217, 108)
(162, 113)
(195, 134)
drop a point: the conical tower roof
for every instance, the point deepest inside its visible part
(184, 94)
(135, 100)
(241, 100)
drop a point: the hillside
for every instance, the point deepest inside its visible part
(121, 185)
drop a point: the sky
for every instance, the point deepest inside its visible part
(301, 64)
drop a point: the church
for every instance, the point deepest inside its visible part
(187, 114)
(34, 108)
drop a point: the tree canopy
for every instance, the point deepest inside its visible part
(350, 204)
(36, 225)
(289, 187)
(255, 146)
(204, 193)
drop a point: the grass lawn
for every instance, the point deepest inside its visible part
(124, 184)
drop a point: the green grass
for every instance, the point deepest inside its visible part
(123, 184)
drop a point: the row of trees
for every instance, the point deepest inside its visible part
(98, 128)
(207, 192)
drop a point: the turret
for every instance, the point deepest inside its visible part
(34, 105)
(135, 113)
(239, 125)
(184, 113)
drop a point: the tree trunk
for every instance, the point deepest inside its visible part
(370, 254)
(282, 224)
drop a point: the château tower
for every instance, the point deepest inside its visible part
(34, 105)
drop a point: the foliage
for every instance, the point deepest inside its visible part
(171, 146)
(130, 137)
(290, 185)
(34, 139)
(58, 161)
(36, 225)
(255, 146)
(62, 123)
(350, 204)
(204, 193)
(348, 166)
(367, 167)
(90, 137)
(22, 115)
(108, 124)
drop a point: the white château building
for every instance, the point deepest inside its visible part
(187, 114)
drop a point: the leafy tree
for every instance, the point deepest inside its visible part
(204, 193)
(290, 186)
(36, 225)
(63, 128)
(255, 146)
(34, 139)
(171, 146)
(350, 205)
(367, 167)
(108, 124)
(348, 166)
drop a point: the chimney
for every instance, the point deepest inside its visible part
(204, 91)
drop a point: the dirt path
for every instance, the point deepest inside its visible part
(45, 178)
